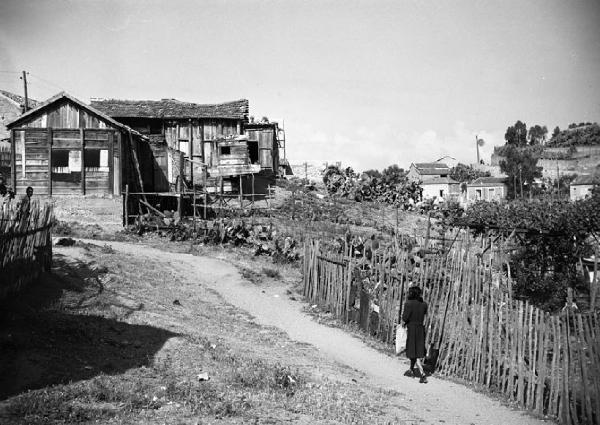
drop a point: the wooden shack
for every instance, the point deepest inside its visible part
(64, 146)
(191, 128)
(215, 138)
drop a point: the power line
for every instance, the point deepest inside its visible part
(47, 82)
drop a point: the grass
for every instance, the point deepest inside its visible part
(256, 374)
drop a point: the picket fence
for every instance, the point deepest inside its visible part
(547, 364)
(25, 245)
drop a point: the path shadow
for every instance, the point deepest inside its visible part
(42, 345)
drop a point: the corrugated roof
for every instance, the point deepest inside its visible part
(586, 180)
(19, 99)
(488, 181)
(172, 108)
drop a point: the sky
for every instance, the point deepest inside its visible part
(366, 83)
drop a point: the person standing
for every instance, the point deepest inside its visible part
(413, 317)
(25, 203)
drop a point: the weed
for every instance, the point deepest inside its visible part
(272, 273)
(107, 249)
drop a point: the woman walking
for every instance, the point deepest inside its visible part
(413, 316)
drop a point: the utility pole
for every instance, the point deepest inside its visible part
(24, 78)
(521, 181)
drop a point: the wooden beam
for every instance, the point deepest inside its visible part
(201, 128)
(190, 151)
(49, 135)
(82, 139)
(111, 162)
(119, 169)
(13, 158)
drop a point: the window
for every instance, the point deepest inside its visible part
(478, 192)
(60, 158)
(91, 158)
(225, 150)
(253, 152)
(441, 193)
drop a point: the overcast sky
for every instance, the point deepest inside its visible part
(368, 83)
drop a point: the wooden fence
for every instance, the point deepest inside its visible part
(25, 245)
(547, 364)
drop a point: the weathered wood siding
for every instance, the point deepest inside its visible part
(66, 114)
(66, 161)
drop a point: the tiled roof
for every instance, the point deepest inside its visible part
(171, 108)
(431, 168)
(420, 165)
(19, 99)
(488, 181)
(440, 180)
(63, 95)
(587, 180)
(433, 171)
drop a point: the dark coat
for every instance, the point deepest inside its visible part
(413, 317)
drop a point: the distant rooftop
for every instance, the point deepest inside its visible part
(586, 180)
(488, 181)
(439, 180)
(19, 99)
(171, 108)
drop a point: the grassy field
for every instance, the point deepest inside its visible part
(101, 340)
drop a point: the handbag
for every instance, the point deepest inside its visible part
(401, 335)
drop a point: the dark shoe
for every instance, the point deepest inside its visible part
(409, 373)
(423, 380)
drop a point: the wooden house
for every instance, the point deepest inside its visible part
(64, 146)
(215, 139)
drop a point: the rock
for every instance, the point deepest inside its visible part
(65, 242)
(203, 377)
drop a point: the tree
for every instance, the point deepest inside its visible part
(393, 175)
(373, 173)
(466, 173)
(521, 168)
(553, 236)
(517, 134)
(556, 132)
(537, 134)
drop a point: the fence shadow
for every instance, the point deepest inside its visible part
(42, 344)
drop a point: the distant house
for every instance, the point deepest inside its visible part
(487, 189)
(427, 171)
(440, 187)
(214, 138)
(64, 146)
(582, 187)
(11, 106)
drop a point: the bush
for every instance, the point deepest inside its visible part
(552, 236)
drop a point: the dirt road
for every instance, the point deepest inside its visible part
(439, 401)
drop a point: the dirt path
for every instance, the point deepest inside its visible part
(439, 401)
